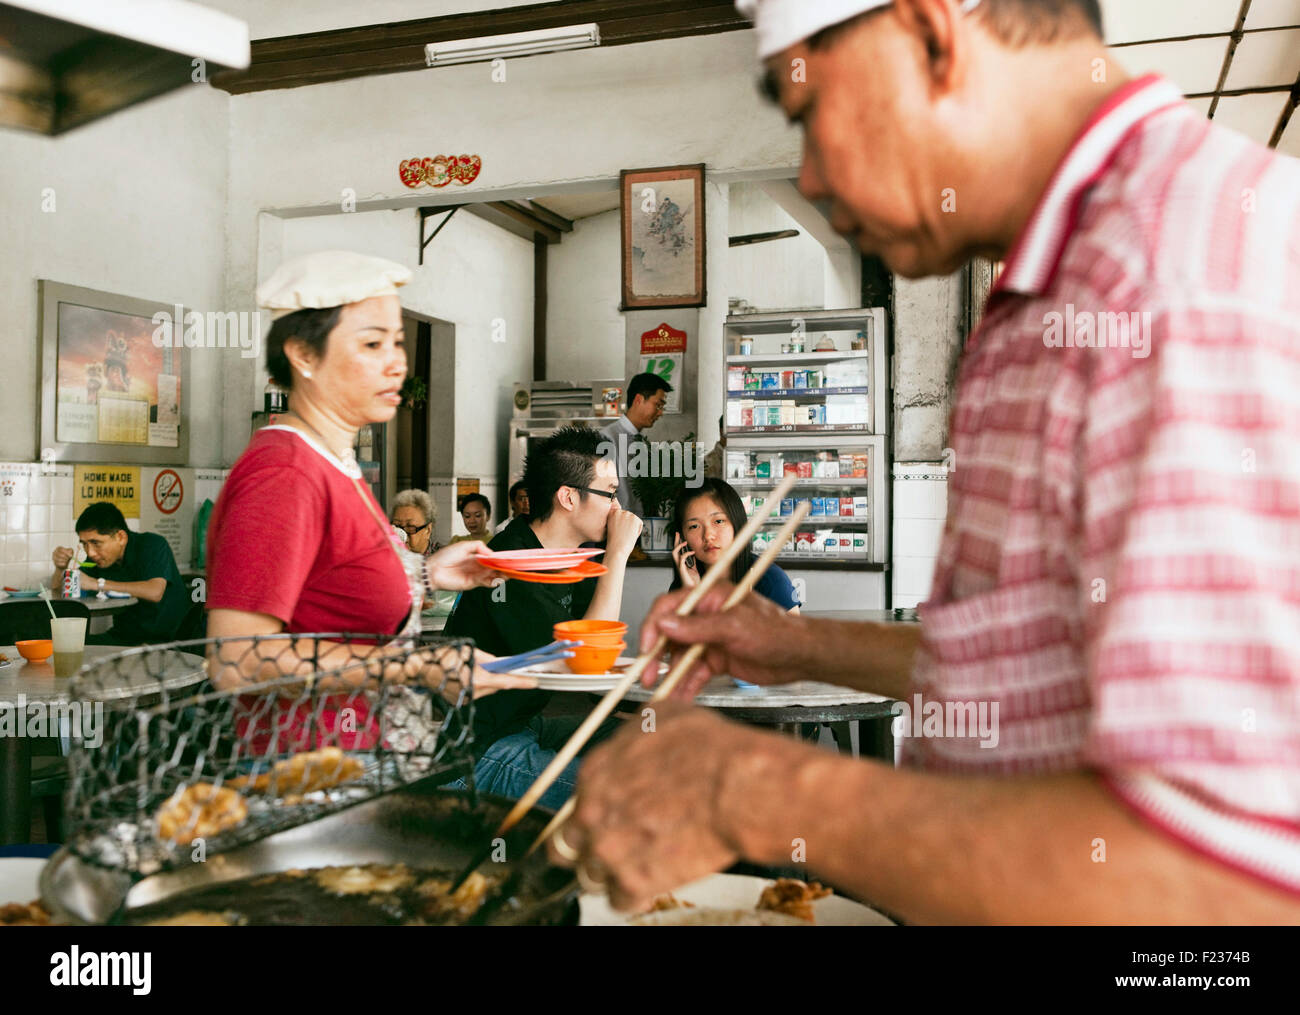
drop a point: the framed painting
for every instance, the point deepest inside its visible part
(114, 378)
(662, 216)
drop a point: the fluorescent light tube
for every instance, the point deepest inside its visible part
(492, 47)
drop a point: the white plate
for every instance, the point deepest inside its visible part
(20, 879)
(556, 676)
(729, 895)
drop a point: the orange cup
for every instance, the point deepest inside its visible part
(35, 650)
(592, 659)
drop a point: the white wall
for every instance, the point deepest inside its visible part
(584, 327)
(293, 17)
(557, 122)
(474, 274)
(779, 274)
(139, 204)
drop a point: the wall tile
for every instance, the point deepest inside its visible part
(16, 517)
(917, 537)
(39, 491)
(39, 549)
(15, 549)
(61, 490)
(61, 521)
(913, 575)
(38, 518)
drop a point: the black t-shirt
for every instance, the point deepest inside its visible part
(147, 556)
(506, 621)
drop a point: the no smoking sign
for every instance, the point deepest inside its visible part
(167, 491)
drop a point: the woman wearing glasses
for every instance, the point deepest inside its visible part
(414, 514)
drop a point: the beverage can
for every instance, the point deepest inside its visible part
(72, 583)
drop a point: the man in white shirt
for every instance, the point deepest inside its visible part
(646, 397)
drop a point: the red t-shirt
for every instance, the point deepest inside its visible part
(291, 537)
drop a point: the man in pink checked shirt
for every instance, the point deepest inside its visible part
(1119, 581)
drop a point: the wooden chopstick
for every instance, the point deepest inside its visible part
(674, 677)
(616, 694)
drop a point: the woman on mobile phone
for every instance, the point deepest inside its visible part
(705, 523)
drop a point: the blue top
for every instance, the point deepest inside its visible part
(776, 585)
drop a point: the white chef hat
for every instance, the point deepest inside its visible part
(782, 23)
(329, 278)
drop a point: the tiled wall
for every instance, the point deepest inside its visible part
(36, 516)
(920, 506)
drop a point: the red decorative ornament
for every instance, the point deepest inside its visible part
(440, 170)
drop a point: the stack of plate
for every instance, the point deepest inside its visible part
(545, 566)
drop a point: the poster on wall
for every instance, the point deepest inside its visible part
(663, 352)
(117, 484)
(113, 385)
(167, 508)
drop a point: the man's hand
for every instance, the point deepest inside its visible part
(755, 640)
(651, 813)
(455, 567)
(62, 557)
(621, 534)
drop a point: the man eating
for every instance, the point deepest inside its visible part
(139, 564)
(1120, 566)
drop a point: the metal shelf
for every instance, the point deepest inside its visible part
(763, 393)
(827, 428)
(848, 482)
(821, 521)
(795, 358)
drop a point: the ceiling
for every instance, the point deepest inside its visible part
(580, 206)
(1236, 59)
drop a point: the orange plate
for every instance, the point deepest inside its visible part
(587, 569)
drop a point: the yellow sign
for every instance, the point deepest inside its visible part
(117, 484)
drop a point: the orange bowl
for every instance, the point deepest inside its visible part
(592, 633)
(593, 659)
(35, 650)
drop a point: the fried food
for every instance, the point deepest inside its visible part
(462, 904)
(372, 879)
(303, 773)
(199, 812)
(792, 897)
(17, 914)
(669, 901)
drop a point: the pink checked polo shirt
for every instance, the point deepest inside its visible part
(1120, 571)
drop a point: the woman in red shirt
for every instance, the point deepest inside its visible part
(298, 543)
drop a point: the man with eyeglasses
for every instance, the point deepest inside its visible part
(1118, 589)
(573, 500)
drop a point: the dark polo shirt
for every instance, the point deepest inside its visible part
(515, 622)
(147, 556)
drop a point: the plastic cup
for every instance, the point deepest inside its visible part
(69, 637)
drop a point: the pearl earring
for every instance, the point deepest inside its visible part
(306, 373)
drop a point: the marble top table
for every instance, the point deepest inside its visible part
(23, 683)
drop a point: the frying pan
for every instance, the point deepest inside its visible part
(421, 827)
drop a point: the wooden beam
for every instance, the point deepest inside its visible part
(499, 213)
(295, 60)
(539, 309)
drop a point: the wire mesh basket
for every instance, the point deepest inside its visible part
(211, 744)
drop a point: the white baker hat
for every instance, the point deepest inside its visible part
(782, 23)
(329, 278)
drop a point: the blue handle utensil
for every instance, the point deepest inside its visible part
(533, 657)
